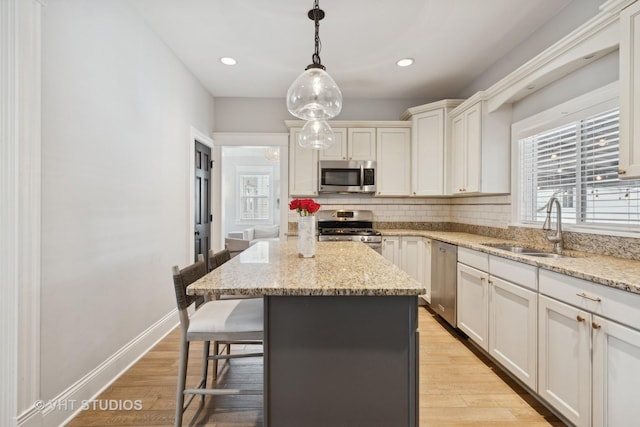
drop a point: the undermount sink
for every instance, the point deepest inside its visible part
(523, 250)
(513, 248)
(546, 255)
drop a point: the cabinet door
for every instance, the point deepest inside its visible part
(303, 168)
(427, 270)
(630, 92)
(513, 330)
(361, 144)
(456, 156)
(391, 249)
(616, 374)
(564, 359)
(412, 257)
(427, 168)
(473, 150)
(338, 151)
(394, 161)
(473, 304)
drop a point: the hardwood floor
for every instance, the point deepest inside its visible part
(458, 387)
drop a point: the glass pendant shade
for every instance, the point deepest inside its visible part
(314, 95)
(316, 134)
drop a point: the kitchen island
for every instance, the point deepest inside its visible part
(341, 339)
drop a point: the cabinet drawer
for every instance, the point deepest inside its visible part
(476, 259)
(513, 271)
(614, 304)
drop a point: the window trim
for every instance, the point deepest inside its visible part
(597, 101)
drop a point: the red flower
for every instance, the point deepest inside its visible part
(304, 207)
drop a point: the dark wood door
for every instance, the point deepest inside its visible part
(202, 202)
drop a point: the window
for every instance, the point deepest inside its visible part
(255, 197)
(578, 163)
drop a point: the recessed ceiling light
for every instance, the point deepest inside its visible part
(405, 62)
(226, 60)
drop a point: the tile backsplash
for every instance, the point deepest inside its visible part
(486, 215)
(494, 211)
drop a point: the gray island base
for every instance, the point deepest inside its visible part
(341, 361)
(341, 338)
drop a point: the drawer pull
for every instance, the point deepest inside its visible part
(595, 325)
(579, 318)
(622, 172)
(596, 299)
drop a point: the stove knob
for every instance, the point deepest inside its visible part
(363, 239)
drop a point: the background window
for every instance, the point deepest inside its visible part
(578, 163)
(254, 197)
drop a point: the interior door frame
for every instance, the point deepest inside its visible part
(197, 136)
(239, 139)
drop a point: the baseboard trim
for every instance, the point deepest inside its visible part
(66, 405)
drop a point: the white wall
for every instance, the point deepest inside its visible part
(269, 114)
(117, 110)
(568, 19)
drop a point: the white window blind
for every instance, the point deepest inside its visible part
(578, 163)
(255, 197)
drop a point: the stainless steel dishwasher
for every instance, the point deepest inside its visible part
(444, 260)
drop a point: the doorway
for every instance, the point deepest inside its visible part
(250, 186)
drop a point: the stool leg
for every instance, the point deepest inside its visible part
(182, 378)
(216, 351)
(205, 366)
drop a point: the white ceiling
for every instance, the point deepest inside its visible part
(452, 42)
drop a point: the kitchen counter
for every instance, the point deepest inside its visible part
(338, 269)
(340, 333)
(614, 272)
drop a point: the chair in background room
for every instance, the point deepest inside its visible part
(235, 246)
(231, 320)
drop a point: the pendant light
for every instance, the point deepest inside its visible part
(316, 134)
(314, 95)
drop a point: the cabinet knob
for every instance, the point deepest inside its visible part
(595, 325)
(621, 171)
(580, 318)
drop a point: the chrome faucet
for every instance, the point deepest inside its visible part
(556, 239)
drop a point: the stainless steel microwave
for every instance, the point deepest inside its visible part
(347, 176)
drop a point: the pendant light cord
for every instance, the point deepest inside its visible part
(316, 14)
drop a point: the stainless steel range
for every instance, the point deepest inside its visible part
(348, 226)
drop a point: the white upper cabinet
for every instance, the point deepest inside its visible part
(479, 148)
(630, 92)
(352, 144)
(338, 151)
(303, 168)
(428, 134)
(393, 162)
(361, 144)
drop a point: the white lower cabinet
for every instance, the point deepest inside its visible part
(473, 304)
(573, 342)
(413, 255)
(616, 374)
(589, 362)
(564, 359)
(391, 249)
(513, 329)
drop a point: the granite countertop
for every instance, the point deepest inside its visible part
(338, 269)
(614, 272)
